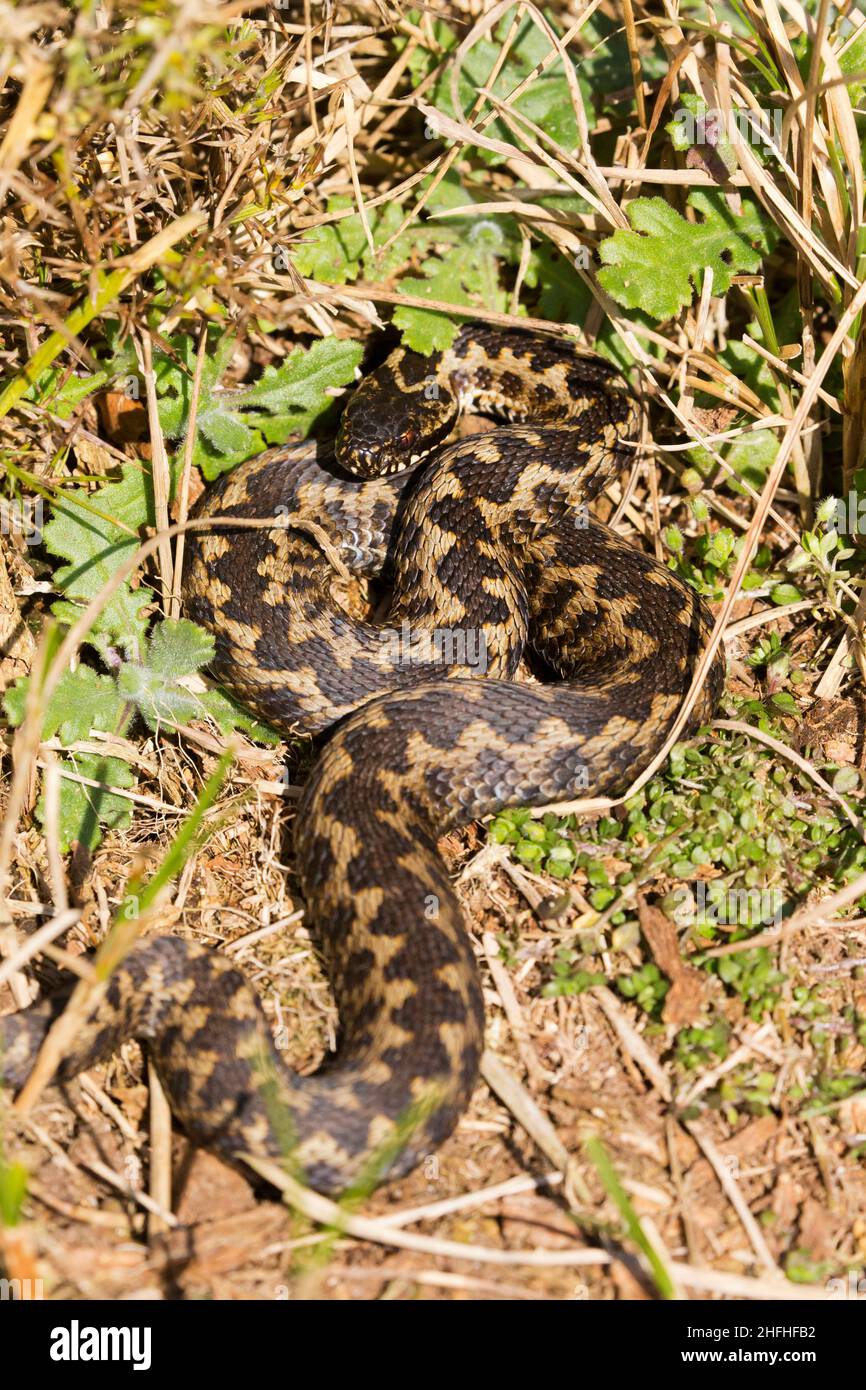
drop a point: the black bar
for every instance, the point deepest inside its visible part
(260, 1340)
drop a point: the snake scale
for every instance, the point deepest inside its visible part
(582, 649)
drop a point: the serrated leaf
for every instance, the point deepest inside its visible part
(603, 72)
(84, 810)
(96, 532)
(225, 432)
(174, 650)
(178, 648)
(659, 265)
(61, 393)
(175, 375)
(337, 252)
(427, 330)
(297, 392)
(82, 702)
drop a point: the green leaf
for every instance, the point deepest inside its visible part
(157, 701)
(83, 809)
(332, 252)
(751, 456)
(175, 650)
(698, 127)
(428, 331)
(784, 702)
(854, 60)
(174, 377)
(228, 715)
(96, 532)
(13, 1190)
(546, 101)
(603, 73)
(178, 648)
(453, 278)
(291, 397)
(337, 252)
(660, 263)
(566, 298)
(83, 702)
(785, 593)
(233, 425)
(61, 392)
(847, 779)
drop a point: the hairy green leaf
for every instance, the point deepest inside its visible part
(82, 702)
(178, 648)
(174, 650)
(157, 700)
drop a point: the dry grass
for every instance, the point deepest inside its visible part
(163, 171)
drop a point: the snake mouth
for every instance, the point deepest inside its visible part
(390, 469)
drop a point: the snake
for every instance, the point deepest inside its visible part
(453, 631)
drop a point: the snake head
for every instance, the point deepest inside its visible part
(396, 416)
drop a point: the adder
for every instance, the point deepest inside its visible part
(588, 646)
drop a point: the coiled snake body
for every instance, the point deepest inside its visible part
(488, 537)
